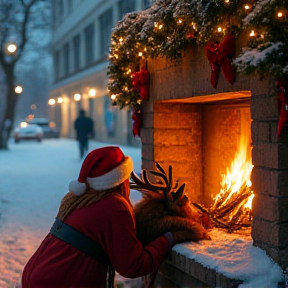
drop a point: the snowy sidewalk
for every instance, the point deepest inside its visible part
(33, 179)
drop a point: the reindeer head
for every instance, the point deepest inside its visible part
(173, 197)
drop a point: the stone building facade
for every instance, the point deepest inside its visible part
(80, 47)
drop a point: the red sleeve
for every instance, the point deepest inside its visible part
(128, 256)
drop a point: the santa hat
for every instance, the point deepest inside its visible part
(102, 169)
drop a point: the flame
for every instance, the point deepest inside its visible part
(237, 177)
(248, 204)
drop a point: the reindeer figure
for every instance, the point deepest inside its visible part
(165, 208)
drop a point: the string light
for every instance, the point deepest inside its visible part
(247, 7)
(113, 97)
(180, 21)
(279, 14)
(252, 34)
(140, 54)
(226, 1)
(121, 40)
(160, 26)
(219, 29)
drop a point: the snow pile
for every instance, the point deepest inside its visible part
(234, 256)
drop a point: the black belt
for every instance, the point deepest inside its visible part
(79, 241)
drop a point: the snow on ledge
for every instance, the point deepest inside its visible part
(235, 257)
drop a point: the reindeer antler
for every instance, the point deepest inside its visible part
(144, 184)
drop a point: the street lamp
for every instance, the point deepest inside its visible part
(92, 92)
(18, 89)
(77, 97)
(11, 48)
(51, 102)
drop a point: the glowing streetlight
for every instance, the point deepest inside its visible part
(11, 48)
(51, 101)
(18, 89)
(92, 92)
(77, 97)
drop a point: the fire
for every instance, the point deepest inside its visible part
(231, 209)
(237, 178)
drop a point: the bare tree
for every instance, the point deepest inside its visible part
(18, 20)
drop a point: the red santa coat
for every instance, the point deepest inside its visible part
(109, 222)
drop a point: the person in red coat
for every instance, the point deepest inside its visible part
(98, 206)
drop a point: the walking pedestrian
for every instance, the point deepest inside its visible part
(84, 127)
(94, 230)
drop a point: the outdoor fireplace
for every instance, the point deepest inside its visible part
(198, 129)
(214, 141)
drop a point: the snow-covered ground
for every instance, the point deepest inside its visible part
(33, 179)
(35, 176)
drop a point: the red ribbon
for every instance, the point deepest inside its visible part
(220, 57)
(282, 106)
(137, 120)
(140, 82)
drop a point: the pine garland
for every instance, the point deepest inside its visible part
(169, 26)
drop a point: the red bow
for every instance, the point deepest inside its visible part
(220, 56)
(282, 105)
(136, 117)
(140, 82)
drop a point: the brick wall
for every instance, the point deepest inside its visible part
(177, 144)
(270, 179)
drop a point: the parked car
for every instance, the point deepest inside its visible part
(27, 131)
(48, 127)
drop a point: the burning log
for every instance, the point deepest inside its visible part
(228, 212)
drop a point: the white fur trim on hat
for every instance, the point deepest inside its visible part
(114, 177)
(77, 188)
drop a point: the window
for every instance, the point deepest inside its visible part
(66, 58)
(56, 65)
(89, 43)
(105, 31)
(76, 47)
(126, 6)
